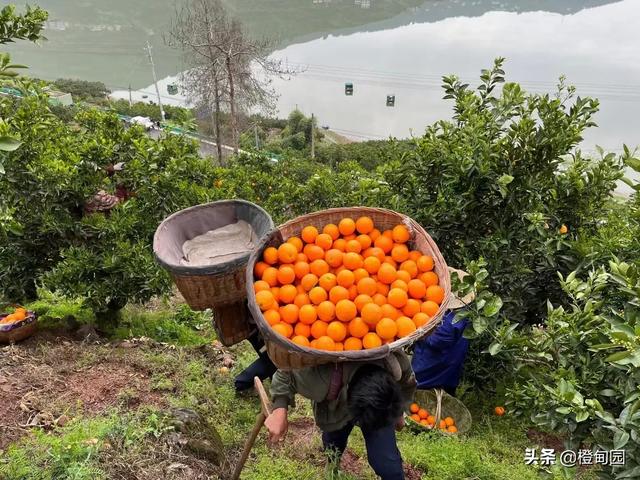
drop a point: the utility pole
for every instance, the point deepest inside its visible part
(155, 79)
(130, 99)
(313, 137)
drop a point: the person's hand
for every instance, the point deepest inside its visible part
(277, 425)
(400, 424)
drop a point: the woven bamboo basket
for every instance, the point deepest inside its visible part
(18, 331)
(442, 405)
(220, 287)
(285, 354)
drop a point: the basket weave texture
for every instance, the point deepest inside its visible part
(442, 405)
(288, 356)
(219, 287)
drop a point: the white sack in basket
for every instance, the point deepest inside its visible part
(220, 245)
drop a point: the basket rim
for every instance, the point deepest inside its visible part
(356, 355)
(9, 327)
(219, 269)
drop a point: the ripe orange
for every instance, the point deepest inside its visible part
(275, 291)
(286, 274)
(414, 255)
(327, 281)
(338, 293)
(301, 269)
(400, 284)
(563, 230)
(313, 252)
(375, 233)
(389, 311)
(307, 314)
(390, 261)
(347, 226)
(353, 343)
(317, 295)
(410, 267)
(452, 429)
(417, 289)
(449, 421)
(337, 331)
(371, 340)
(309, 281)
(324, 241)
(379, 299)
(260, 285)
(420, 319)
(422, 413)
(371, 264)
(331, 230)
(424, 423)
(345, 278)
(346, 310)
(353, 292)
(289, 313)
(400, 253)
(260, 268)
(301, 257)
(340, 244)
(429, 307)
(270, 275)
(431, 419)
(388, 234)
(371, 314)
(326, 311)
(302, 329)
(352, 260)
(500, 411)
(384, 243)
(270, 255)
(411, 308)
(387, 274)
(272, 317)
(300, 340)
(403, 275)
(339, 347)
(361, 300)
(414, 408)
(287, 253)
(367, 286)
(386, 329)
(353, 246)
(405, 326)
(309, 234)
(283, 329)
(442, 425)
(365, 241)
(383, 289)
(333, 257)
(359, 274)
(325, 343)
(287, 293)
(265, 300)
(397, 297)
(425, 263)
(358, 328)
(296, 242)
(429, 278)
(401, 234)
(374, 252)
(435, 293)
(319, 267)
(319, 329)
(364, 225)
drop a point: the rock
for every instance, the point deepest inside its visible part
(197, 435)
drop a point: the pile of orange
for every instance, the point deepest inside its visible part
(17, 316)
(347, 287)
(424, 418)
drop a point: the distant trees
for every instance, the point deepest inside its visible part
(81, 89)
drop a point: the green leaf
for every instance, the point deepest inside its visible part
(620, 439)
(582, 416)
(617, 356)
(9, 144)
(633, 163)
(494, 348)
(492, 307)
(563, 410)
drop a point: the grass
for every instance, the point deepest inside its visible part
(128, 442)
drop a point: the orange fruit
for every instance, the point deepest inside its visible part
(442, 425)
(287, 253)
(270, 275)
(374, 252)
(302, 329)
(352, 260)
(364, 225)
(371, 340)
(401, 234)
(387, 274)
(375, 233)
(383, 289)
(338, 293)
(386, 329)
(309, 234)
(346, 310)
(359, 274)
(301, 257)
(358, 328)
(424, 422)
(388, 234)
(275, 291)
(414, 255)
(301, 269)
(307, 314)
(429, 278)
(449, 421)
(365, 241)
(367, 286)
(313, 252)
(452, 429)
(283, 329)
(350, 237)
(417, 289)
(286, 274)
(403, 275)
(389, 311)
(353, 343)
(317, 295)
(420, 319)
(399, 284)
(371, 264)
(379, 299)
(411, 308)
(429, 307)
(340, 244)
(331, 230)
(361, 300)
(405, 326)
(415, 417)
(272, 317)
(319, 267)
(425, 263)
(309, 281)
(422, 413)
(259, 269)
(371, 314)
(499, 411)
(397, 297)
(346, 278)
(353, 292)
(414, 408)
(391, 262)
(353, 246)
(260, 285)
(300, 340)
(400, 253)
(333, 257)
(319, 329)
(339, 347)
(435, 293)
(296, 242)
(270, 255)
(410, 267)
(287, 293)
(347, 226)
(337, 331)
(289, 313)
(327, 281)
(326, 311)
(300, 288)
(325, 343)
(265, 300)
(384, 243)
(324, 241)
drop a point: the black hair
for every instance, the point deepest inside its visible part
(374, 399)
